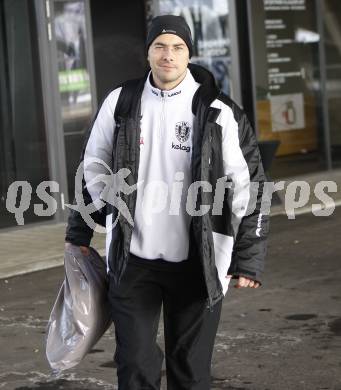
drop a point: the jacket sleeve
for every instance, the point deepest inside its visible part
(98, 145)
(244, 168)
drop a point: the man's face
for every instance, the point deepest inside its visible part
(168, 58)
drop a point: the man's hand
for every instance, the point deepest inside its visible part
(245, 282)
(84, 249)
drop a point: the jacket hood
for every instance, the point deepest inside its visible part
(208, 91)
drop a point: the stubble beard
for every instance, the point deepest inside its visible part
(171, 78)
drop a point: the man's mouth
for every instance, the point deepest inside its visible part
(167, 67)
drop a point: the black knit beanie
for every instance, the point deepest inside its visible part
(170, 24)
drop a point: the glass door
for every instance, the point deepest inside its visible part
(284, 43)
(71, 31)
(210, 26)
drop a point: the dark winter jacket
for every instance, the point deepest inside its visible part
(224, 147)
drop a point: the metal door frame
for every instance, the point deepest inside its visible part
(236, 92)
(319, 6)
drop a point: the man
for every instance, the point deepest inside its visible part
(187, 146)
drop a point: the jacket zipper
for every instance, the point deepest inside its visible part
(209, 304)
(162, 116)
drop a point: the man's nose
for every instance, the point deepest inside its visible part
(168, 54)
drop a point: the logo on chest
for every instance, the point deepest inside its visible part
(182, 131)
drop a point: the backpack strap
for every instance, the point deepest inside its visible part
(126, 99)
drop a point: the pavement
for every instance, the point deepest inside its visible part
(34, 248)
(285, 335)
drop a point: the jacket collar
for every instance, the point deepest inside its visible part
(180, 90)
(203, 97)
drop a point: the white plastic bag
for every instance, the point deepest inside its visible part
(81, 313)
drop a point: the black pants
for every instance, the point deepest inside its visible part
(189, 326)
